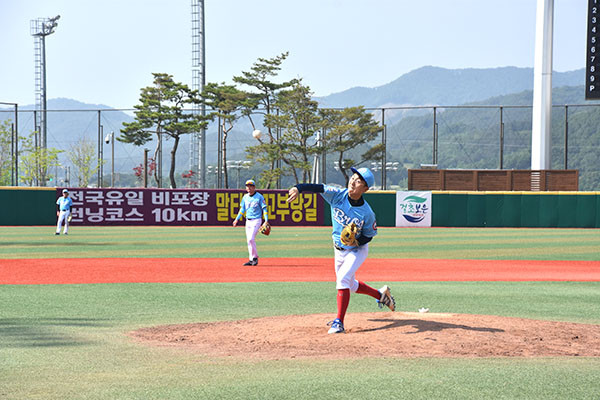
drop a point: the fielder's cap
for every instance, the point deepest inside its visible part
(250, 182)
(365, 174)
(65, 191)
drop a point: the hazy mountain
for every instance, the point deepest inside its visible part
(469, 138)
(70, 120)
(441, 86)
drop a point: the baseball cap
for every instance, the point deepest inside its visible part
(65, 191)
(365, 174)
(250, 182)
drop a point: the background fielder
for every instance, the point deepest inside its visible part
(64, 210)
(254, 207)
(349, 207)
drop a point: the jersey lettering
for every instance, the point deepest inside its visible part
(341, 218)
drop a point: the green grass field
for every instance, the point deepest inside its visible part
(69, 341)
(453, 243)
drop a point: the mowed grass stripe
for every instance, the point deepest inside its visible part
(454, 243)
(574, 253)
(489, 233)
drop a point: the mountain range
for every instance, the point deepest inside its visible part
(441, 86)
(69, 120)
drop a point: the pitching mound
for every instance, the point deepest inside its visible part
(383, 334)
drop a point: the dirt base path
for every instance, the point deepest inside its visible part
(186, 270)
(384, 334)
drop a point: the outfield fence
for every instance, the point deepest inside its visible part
(197, 207)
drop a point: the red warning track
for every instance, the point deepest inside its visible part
(187, 270)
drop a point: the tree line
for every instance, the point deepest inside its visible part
(288, 114)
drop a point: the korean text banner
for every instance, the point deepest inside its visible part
(413, 209)
(136, 206)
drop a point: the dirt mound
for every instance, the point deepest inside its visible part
(386, 334)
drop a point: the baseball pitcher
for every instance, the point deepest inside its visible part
(354, 226)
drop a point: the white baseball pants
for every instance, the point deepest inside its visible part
(347, 262)
(252, 227)
(63, 216)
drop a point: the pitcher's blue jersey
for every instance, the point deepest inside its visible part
(343, 213)
(253, 207)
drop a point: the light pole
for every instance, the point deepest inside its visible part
(238, 164)
(39, 29)
(210, 169)
(389, 166)
(110, 138)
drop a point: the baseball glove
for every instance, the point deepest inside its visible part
(265, 229)
(70, 217)
(348, 235)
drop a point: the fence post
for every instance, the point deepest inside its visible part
(383, 158)
(146, 167)
(435, 132)
(566, 134)
(99, 151)
(501, 139)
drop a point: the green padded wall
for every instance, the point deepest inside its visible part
(439, 209)
(476, 206)
(516, 209)
(585, 212)
(384, 205)
(494, 204)
(28, 206)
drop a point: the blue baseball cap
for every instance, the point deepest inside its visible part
(365, 174)
(250, 182)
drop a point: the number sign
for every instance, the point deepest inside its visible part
(592, 77)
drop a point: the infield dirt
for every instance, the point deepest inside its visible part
(384, 334)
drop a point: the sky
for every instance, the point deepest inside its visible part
(104, 52)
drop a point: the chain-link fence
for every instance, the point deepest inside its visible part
(464, 137)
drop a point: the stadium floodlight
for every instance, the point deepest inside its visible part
(39, 29)
(44, 26)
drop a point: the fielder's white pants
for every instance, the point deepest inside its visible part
(347, 262)
(252, 227)
(63, 216)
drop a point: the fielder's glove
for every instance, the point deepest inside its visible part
(70, 217)
(348, 236)
(265, 229)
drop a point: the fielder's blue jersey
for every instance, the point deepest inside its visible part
(64, 203)
(253, 207)
(343, 213)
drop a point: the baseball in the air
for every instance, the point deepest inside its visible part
(256, 134)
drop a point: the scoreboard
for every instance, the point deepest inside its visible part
(592, 70)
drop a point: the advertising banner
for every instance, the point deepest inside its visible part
(137, 206)
(413, 209)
